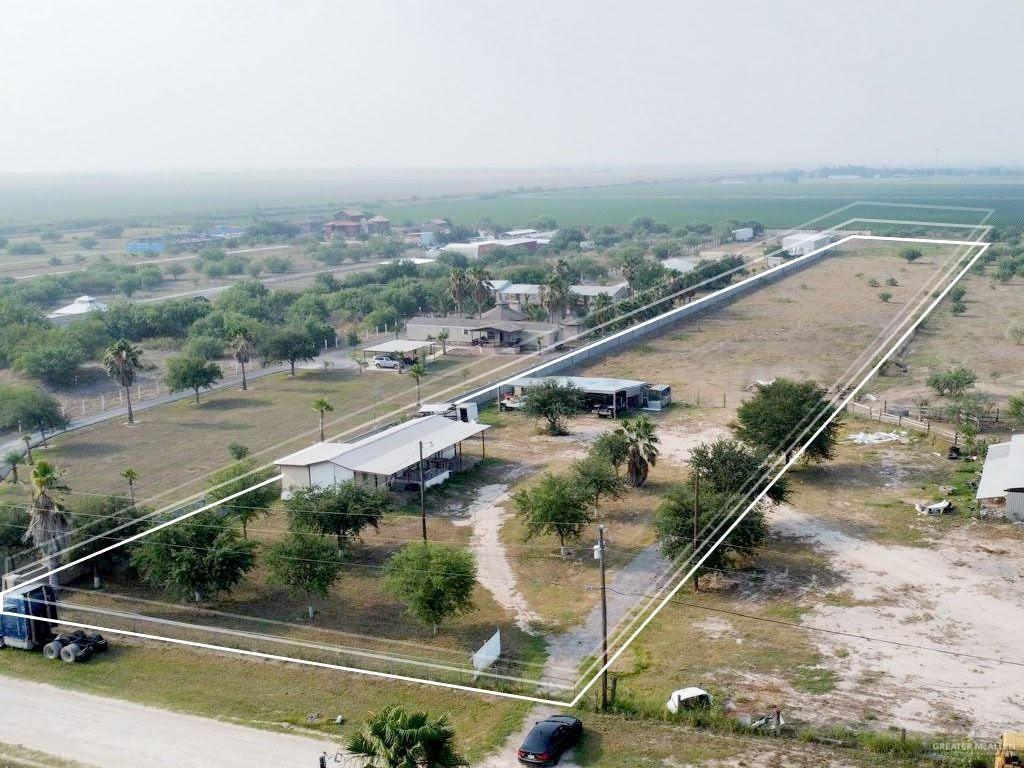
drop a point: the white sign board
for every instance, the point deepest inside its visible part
(489, 652)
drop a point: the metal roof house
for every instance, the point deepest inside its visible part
(80, 307)
(387, 459)
(524, 294)
(1002, 479)
(680, 264)
(500, 328)
(587, 293)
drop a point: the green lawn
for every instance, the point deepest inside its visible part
(619, 741)
(175, 447)
(16, 756)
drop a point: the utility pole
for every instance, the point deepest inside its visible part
(423, 504)
(696, 517)
(604, 621)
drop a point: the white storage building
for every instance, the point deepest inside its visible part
(802, 243)
(1002, 479)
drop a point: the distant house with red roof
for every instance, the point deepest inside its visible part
(353, 222)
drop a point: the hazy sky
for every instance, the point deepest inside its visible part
(100, 85)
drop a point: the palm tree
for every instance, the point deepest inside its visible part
(28, 449)
(321, 406)
(599, 307)
(457, 286)
(122, 360)
(14, 458)
(417, 371)
(554, 295)
(49, 526)
(241, 350)
(562, 271)
(643, 448)
(131, 476)
(442, 336)
(476, 279)
(399, 739)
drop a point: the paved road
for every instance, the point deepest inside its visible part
(118, 734)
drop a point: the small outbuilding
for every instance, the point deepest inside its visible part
(802, 243)
(604, 395)
(80, 307)
(407, 351)
(1001, 488)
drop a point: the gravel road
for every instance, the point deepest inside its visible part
(120, 734)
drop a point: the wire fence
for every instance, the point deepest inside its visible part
(882, 415)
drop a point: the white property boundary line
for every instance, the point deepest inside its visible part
(664, 601)
(40, 564)
(712, 298)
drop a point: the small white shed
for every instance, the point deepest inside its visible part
(1001, 487)
(802, 243)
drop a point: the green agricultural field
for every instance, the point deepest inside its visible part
(774, 204)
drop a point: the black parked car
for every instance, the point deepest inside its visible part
(549, 739)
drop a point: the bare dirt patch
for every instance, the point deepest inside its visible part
(961, 595)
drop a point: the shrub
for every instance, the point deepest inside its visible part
(1016, 333)
(54, 361)
(25, 248)
(278, 264)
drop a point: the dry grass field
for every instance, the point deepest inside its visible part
(176, 447)
(785, 329)
(850, 554)
(976, 339)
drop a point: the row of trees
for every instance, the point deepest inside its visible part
(654, 285)
(565, 506)
(211, 552)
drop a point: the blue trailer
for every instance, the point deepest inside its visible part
(32, 628)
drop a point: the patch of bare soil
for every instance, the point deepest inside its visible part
(486, 514)
(961, 597)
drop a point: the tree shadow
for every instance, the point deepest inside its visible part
(83, 450)
(231, 403)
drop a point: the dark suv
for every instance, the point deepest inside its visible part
(549, 739)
